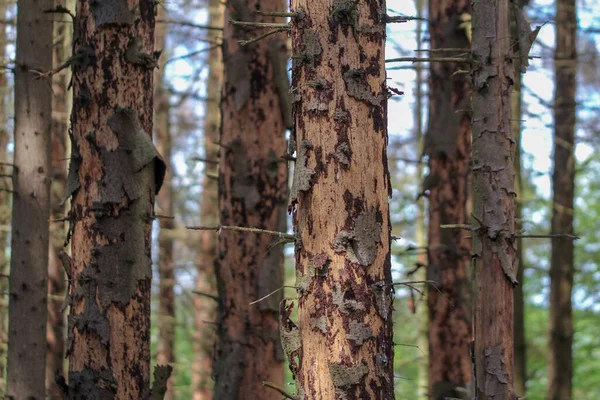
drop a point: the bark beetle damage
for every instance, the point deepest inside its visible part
(345, 378)
(322, 95)
(360, 244)
(290, 336)
(495, 372)
(116, 269)
(357, 86)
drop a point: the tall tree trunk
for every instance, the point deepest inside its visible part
(31, 204)
(113, 176)
(5, 210)
(494, 245)
(204, 307)
(448, 144)
(252, 187)
(61, 110)
(519, 301)
(420, 228)
(166, 268)
(560, 358)
(339, 204)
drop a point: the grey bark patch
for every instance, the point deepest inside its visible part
(358, 87)
(316, 105)
(495, 370)
(107, 12)
(346, 306)
(245, 184)
(311, 48)
(343, 153)
(320, 262)
(302, 174)
(319, 323)
(290, 336)
(134, 153)
(90, 384)
(344, 376)
(238, 77)
(161, 376)
(358, 332)
(136, 55)
(384, 297)
(360, 245)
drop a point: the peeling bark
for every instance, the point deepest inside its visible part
(31, 204)
(166, 318)
(339, 201)
(448, 145)
(560, 354)
(205, 308)
(252, 192)
(114, 174)
(494, 244)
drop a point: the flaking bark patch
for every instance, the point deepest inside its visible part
(384, 297)
(343, 153)
(360, 245)
(345, 306)
(495, 371)
(91, 384)
(290, 336)
(311, 49)
(358, 87)
(303, 175)
(319, 323)
(344, 376)
(358, 332)
(108, 12)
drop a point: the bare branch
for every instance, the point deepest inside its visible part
(60, 10)
(430, 60)
(277, 14)
(218, 228)
(208, 295)
(189, 24)
(264, 35)
(281, 391)
(259, 24)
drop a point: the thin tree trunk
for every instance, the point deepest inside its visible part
(5, 209)
(494, 245)
(166, 319)
(204, 307)
(339, 204)
(252, 187)
(113, 176)
(31, 204)
(61, 110)
(519, 305)
(420, 228)
(448, 144)
(560, 356)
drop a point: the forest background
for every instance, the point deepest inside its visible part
(186, 70)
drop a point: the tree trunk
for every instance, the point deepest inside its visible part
(5, 209)
(31, 204)
(61, 110)
(339, 204)
(113, 176)
(252, 187)
(560, 358)
(448, 144)
(494, 245)
(166, 319)
(204, 307)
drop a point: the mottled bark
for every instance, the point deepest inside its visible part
(560, 354)
(342, 347)
(61, 110)
(204, 307)
(5, 209)
(252, 188)
(113, 176)
(448, 144)
(31, 204)
(494, 245)
(166, 318)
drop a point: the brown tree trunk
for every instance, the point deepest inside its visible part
(339, 203)
(31, 204)
(5, 209)
(560, 358)
(204, 307)
(494, 245)
(252, 187)
(166, 268)
(113, 176)
(61, 110)
(448, 144)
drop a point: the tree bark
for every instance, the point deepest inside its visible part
(204, 307)
(113, 176)
(5, 209)
(560, 358)
(31, 204)
(252, 188)
(448, 144)
(494, 244)
(61, 110)
(166, 319)
(342, 347)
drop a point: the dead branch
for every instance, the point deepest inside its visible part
(60, 10)
(281, 391)
(189, 24)
(277, 14)
(430, 60)
(218, 229)
(260, 24)
(208, 295)
(259, 37)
